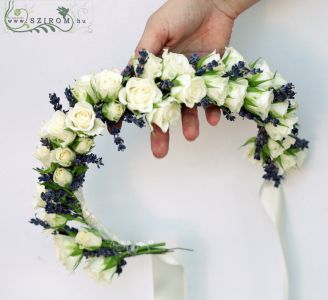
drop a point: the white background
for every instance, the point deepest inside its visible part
(202, 196)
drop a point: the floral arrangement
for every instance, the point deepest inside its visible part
(152, 90)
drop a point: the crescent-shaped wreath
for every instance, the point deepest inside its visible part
(151, 90)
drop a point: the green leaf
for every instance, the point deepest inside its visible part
(201, 61)
(292, 151)
(50, 170)
(210, 73)
(252, 65)
(249, 141)
(79, 170)
(226, 58)
(77, 252)
(265, 152)
(255, 83)
(111, 262)
(253, 89)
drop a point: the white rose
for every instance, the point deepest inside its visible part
(279, 108)
(83, 145)
(231, 57)
(140, 94)
(286, 162)
(249, 154)
(259, 103)
(62, 177)
(83, 91)
(56, 130)
(216, 88)
(39, 202)
(55, 220)
(82, 119)
(62, 156)
(278, 81)
(175, 65)
(87, 239)
(277, 133)
(113, 111)
(152, 68)
(210, 57)
(278, 148)
(164, 116)
(97, 268)
(43, 155)
(263, 80)
(236, 94)
(191, 90)
(107, 84)
(300, 157)
(67, 251)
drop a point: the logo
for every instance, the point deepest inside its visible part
(47, 16)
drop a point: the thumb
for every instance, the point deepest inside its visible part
(154, 37)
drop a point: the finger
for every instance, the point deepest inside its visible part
(190, 123)
(213, 115)
(159, 142)
(153, 37)
(117, 125)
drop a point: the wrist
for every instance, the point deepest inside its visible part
(233, 8)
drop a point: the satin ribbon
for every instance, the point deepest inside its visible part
(272, 200)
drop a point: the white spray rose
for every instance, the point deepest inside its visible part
(278, 81)
(67, 251)
(231, 57)
(279, 108)
(107, 84)
(38, 202)
(83, 145)
(286, 162)
(277, 133)
(83, 91)
(140, 94)
(82, 119)
(43, 155)
(216, 88)
(62, 177)
(87, 239)
(56, 130)
(97, 268)
(249, 154)
(259, 103)
(175, 65)
(152, 68)
(55, 220)
(164, 116)
(113, 111)
(278, 148)
(236, 94)
(191, 90)
(263, 80)
(300, 157)
(62, 156)
(210, 57)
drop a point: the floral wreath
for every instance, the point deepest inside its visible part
(152, 90)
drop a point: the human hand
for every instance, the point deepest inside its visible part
(190, 26)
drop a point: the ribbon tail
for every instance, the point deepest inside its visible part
(168, 275)
(272, 200)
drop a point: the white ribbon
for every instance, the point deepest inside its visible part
(272, 200)
(168, 275)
